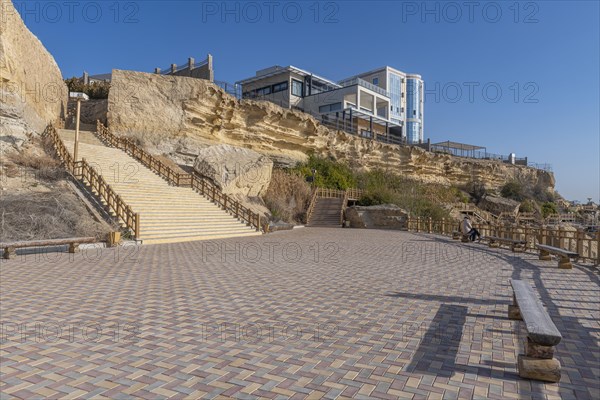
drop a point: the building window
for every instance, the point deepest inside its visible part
(280, 87)
(297, 88)
(375, 81)
(263, 91)
(330, 107)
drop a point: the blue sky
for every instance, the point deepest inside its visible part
(543, 56)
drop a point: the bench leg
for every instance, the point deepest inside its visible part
(544, 255)
(514, 312)
(540, 369)
(74, 248)
(9, 253)
(535, 350)
(564, 263)
(518, 248)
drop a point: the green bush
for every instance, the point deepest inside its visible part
(329, 173)
(96, 90)
(513, 190)
(383, 187)
(549, 208)
(374, 198)
(527, 206)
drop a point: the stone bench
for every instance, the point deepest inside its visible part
(564, 260)
(538, 362)
(10, 248)
(517, 246)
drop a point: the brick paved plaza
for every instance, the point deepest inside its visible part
(307, 313)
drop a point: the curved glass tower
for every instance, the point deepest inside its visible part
(414, 109)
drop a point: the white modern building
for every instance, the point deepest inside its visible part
(384, 101)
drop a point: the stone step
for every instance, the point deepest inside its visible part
(196, 230)
(196, 238)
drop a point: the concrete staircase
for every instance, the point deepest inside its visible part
(326, 212)
(167, 213)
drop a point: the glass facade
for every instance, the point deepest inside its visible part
(394, 88)
(414, 110)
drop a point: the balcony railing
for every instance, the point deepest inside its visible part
(365, 84)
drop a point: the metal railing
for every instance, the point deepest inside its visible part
(201, 185)
(587, 245)
(86, 174)
(542, 166)
(232, 89)
(365, 84)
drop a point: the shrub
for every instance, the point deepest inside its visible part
(329, 173)
(95, 90)
(527, 206)
(288, 196)
(548, 208)
(513, 190)
(375, 198)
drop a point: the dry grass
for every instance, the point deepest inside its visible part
(36, 202)
(38, 159)
(288, 196)
(54, 215)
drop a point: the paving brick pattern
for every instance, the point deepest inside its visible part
(309, 313)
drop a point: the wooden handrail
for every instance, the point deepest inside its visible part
(311, 205)
(86, 174)
(202, 185)
(585, 244)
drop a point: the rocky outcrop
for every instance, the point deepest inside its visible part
(384, 216)
(237, 171)
(32, 91)
(178, 116)
(497, 205)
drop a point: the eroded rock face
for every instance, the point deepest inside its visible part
(178, 115)
(385, 216)
(237, 171)
(32, 90)
(91, 111)
(496, 205)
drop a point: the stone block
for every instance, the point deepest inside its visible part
(535, 350)
(539, 369)
(514, 312)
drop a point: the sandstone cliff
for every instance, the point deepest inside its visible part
(32, 91)
(177, 115)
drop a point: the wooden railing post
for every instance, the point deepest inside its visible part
(137, 225)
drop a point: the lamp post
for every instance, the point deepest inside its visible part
(79, 97)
